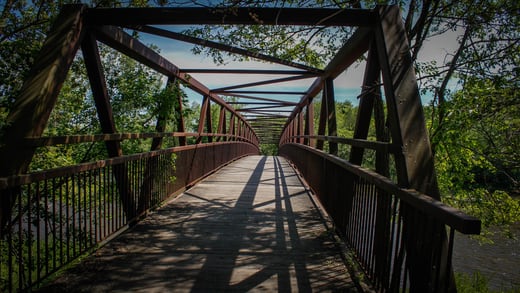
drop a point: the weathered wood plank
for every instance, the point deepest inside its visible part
(252, 226)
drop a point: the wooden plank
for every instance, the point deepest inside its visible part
(234, 15)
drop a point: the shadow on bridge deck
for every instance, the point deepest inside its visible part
(250, 226)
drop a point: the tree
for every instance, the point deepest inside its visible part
(477, 157)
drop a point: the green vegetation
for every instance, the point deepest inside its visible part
(477, 283)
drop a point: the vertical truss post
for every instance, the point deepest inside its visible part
(331, 115)
(239, 129)
(221, 123)
(309, 124)
(366, 103)
(300, 126)
(209, 125)
(106, 118)
(405, 113)
(322, 123)
(203, 116)
(295, 128)
(232, 127)
(179, 113)
(415, 167)
(29, 115)
(144, 201)
(160, 126)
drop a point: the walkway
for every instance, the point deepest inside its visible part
(251, 226)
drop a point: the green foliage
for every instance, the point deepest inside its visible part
(269, 149)
(477, 158)
(475, 283)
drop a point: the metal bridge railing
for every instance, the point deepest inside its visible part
(398, 235)
(60, 214)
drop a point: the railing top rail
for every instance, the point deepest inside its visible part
(450, 216)
(17, 180)
(82, 138)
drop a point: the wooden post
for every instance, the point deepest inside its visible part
(29, 115)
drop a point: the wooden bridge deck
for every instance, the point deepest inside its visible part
(251, 226)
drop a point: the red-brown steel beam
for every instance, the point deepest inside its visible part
(414, 165)
(100, 92)
(123, 42)
(31, 110)
(370, 90)
(331, 114)
(269, 92)
(309, 124)
(222, 47)
(221, 16)
(248, 71)
(263, 82)
(221, 123)
(353, 49)
(256, 98)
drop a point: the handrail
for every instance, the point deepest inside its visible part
(398, 234)
(74, 139)
(363, 143)
(434, 208)
(60, 214)
(17, 180)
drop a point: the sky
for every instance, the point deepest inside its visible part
(347, 86)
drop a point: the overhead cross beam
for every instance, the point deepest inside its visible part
(234, 15)
(222, 47)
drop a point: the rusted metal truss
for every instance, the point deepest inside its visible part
(259, 116)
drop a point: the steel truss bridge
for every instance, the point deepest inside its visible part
(398, 230)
